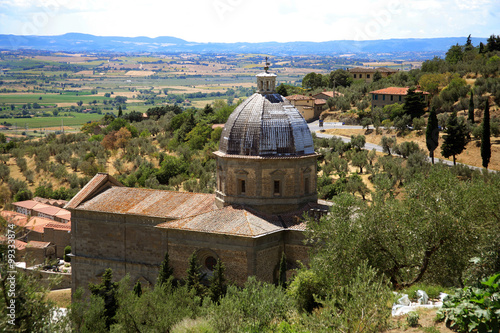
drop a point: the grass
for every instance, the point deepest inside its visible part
(75, 119)
(49, 98)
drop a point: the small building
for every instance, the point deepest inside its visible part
(37, 252)
(327, 95)
(58, 234)
(367, 73)
(307, 106)
(37, 208)
(392, 95)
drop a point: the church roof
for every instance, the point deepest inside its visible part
(149, 202)
(96, 184)
(266, 125)
(244, 221)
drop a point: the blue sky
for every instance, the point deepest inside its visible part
(254, 20)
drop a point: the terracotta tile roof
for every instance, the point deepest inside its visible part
(396, 91)
(148, 202)
(328, 93)
(48, 210)
(371, 70)
(15, 218)
(37, 224)
(99, 181)
(298, 97)
(29, 204)
(37, 244)
(319, 101)
(244, 221)
(231, 220)
(58, 226)
(20, 245)
(64, 215)
(52, 202)
(218, 125)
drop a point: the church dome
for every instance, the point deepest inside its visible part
(266, 124)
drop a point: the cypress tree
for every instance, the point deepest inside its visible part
(120, 112)
(138, 289)
(471, 107)
(432, 134)
(485, 139)
(165, 271)
(193, 280)
(217, 282)
(455, 139)
(107, 290)
(282, 271)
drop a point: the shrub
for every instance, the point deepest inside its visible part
(474, 308)
(67, 250)
(412, 319)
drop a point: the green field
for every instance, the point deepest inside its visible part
(76, 119)
(49, 98)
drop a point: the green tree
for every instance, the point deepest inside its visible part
(193, 279)
(432, 134)
(218, 287)
(282, 90)
(455, 139)
(377, 76)
(282, 271)
(23, 303)
(340, 77)
(471, 107)
(485, 139)
(107, 290)
(455, 54)
(166, 272)
(387, 144)
(414, 104)
(138, 289)
(120, 111)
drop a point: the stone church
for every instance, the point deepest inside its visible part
(266, 182)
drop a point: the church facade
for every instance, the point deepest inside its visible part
(266, 182)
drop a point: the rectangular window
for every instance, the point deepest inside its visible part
(383, 97)
(376, 97)
(367, 76)
(400, 98)
(360, 76)
(354, 75)
(306, 185)
(392, 97)
(277, 189)
(241, 186)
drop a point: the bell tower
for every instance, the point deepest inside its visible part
(266, 82)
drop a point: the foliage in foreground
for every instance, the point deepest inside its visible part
(474, 308)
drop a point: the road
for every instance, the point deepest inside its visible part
(314, 127)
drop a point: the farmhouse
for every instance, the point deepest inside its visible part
(367, 73)
(266, 183)
(393, 95)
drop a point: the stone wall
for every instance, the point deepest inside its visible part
(260, 175)
(61, 238)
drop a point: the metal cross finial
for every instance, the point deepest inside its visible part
(266, 67)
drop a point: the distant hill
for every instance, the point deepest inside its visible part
(76, 42)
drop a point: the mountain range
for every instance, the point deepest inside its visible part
(77, 42)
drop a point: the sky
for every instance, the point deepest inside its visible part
(254, 20)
